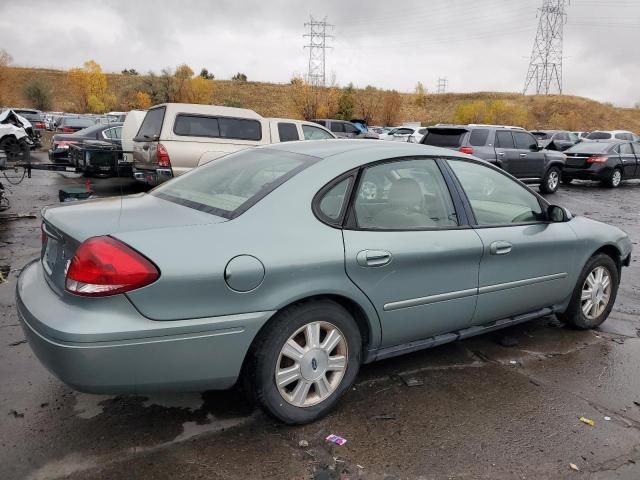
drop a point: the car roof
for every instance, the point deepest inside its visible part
(329, 148)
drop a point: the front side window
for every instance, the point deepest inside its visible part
(404, 195)
(625, 149)
(229, 186)
(314, 133)
(351, 129)
(288, 132)
(525, 141)
(495, 198)
(504, 140)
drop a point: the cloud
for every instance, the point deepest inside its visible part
(476, 45)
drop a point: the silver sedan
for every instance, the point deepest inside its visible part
(290, 265)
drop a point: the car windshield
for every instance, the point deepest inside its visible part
(229, 186)
(589, 147)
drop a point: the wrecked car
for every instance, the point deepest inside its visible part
(14, 135)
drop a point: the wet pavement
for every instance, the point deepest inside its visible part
(482, 409)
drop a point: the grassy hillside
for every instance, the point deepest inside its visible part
(276, 100)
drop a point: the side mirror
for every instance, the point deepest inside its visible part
(558, 214)
(536, 148)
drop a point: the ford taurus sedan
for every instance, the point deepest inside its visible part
(289, 266)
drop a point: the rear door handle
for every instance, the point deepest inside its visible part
(523, 154)
(501, 154)
(500, 248)
(373, 258)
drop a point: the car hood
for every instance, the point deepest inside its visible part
(107, 216)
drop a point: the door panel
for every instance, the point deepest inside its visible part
(531, 161)
(534, 273)
(427, 287)
(628, 160)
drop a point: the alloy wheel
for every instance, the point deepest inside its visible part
(596, 292)
(311, 364)
(616, 178)
(553, 180)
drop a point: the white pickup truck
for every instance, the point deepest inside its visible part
(176, 137)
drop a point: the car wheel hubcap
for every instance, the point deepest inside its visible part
(311, 364)
(596, 292)
(617, 177)
(554, 178)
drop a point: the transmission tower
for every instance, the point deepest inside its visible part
(545, 66)
(317, 49)
(442, 84)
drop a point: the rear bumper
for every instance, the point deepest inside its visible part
(106, 346)
(595, 172)
(59, 154)
(152, 177)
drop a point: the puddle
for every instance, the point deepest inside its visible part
(89, 406)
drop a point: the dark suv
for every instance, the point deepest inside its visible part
(511, 148)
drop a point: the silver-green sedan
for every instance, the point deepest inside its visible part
(290, 265)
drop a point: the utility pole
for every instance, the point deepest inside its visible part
(317, 49)
(442, 84)
(545, 66)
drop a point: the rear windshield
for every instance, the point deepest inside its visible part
(152, 123)
(590, 147)
(599, 136)
(229, 186)
(217, 127)
(442, 137)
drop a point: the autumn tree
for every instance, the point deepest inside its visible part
(204, 73)
(313, 101)
(391, 104)
(368, 103)
(130, 72)
(38, 94)
(5, 61)
(239, 77)
(346, 103)
(90, 88)
(421, 95)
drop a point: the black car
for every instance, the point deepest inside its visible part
(67, 124)
(511, 148)
(61, 141)
(558, 140)
(608, 162)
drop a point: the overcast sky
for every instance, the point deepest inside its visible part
(479, 45)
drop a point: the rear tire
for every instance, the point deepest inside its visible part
(615, 179)
(551, 180)
(593, 296)
(313, 382)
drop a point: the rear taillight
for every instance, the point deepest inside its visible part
(467, 150)
(597, 159)
(163, 156)
(64, 144)
(39, 125)
(104, 266)
(67, 130)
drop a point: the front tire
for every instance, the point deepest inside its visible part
(551, 180)
(594, 294)
(304, 361)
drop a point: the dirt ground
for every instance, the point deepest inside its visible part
(483, 410)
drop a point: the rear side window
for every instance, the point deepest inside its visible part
(623, 136)
(232, 184)
(504, 140)
(625, 149)
(350, 128)
(636, 147)
(478, 137)
(599, 136)
(333, 201)
(442, 137)
(337, 127)
(288, 132)
(217, 127)
(152, 123)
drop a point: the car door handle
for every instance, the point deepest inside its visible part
(373, 258)
(523, 154)
(500, 248)
(501, 154)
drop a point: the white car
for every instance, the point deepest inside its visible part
(404, 134)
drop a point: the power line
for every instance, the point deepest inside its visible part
(545, 66)
(317, 49)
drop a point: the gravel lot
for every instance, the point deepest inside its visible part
(484, 410)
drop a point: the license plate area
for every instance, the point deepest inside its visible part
(51, 254)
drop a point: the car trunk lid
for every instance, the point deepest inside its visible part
(145, 143)
(65, 227)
